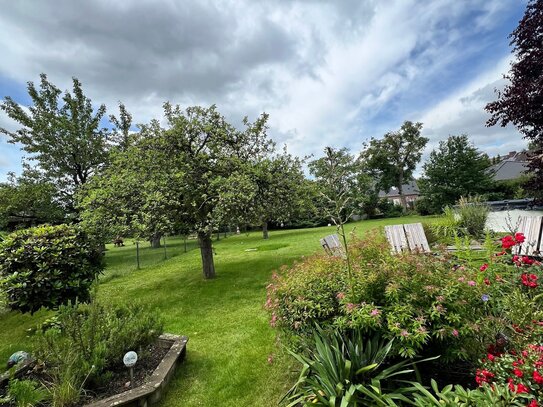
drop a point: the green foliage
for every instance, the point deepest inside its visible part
(455, 169)
(48, 266)
(28, 201)
(62, 133)
(392, 159)
(25, 393)
(389, 209)
(341, 183)
(347, 370)
(473, 214)
(497, 395)
(87, 340)
(420, 301)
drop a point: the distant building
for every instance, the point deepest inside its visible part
(410, 192)
(512, 166)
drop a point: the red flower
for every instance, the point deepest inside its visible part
(517, 372)
(487, 281)
(482, 376)
(529, 280)
(527, 260)
(519, 237)
(483, 267)
(532, 403)
(521, 388)
(537, 377)
(508, 242)
(491, 357)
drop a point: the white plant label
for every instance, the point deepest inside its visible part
(130, 358)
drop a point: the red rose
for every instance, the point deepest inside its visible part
(517, 372)
(483, 267)
(508, 242)
(532, 403)
(519, 237)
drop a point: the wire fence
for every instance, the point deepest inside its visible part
(137, 254)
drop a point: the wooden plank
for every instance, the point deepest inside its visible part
(418, 237)
(521, 229)
(534, 236)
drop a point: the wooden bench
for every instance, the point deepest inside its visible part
(332, 245)
(532, 228)
(407, 237)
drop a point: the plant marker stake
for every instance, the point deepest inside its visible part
(129, 360)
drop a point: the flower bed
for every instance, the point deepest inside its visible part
(461, 311)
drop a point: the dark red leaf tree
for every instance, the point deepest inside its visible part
(521, 101)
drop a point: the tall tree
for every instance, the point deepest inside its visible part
(339, 181)
(212, 164)
(393, 158)
(455, 169)
(61, 132)
(521, 101)
(135, 194)
(281, 192)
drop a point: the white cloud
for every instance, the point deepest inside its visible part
(326, 72)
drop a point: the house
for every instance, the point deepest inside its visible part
(410, 192)
(511, 167)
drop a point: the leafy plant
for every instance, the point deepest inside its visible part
(25, 393)
(88, 339)
(347, 370)
(453, 396)
(48, 266)
(473, 215)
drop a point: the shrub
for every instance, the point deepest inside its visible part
(47, 266)
(426, 303)
(88, 339)
(25, 393)
(447, 227)
(473, 215)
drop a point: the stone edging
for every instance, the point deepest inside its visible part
(151, 391)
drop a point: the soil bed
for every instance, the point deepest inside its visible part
(148, 360)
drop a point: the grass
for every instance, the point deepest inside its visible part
(230, 339)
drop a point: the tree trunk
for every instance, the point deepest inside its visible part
(155, 241)
(206, 250)
(265, 229)
(400, 192)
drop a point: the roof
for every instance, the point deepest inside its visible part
(410, 188)
(508, 169)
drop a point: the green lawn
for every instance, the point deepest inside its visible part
(230, 339)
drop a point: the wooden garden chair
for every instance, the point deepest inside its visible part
(407, 237)
(332, 245)
(532, 228)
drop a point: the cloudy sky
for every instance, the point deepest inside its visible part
(328, 73)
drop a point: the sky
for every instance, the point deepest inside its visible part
(328, 73)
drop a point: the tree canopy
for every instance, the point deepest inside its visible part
(61, 132)
(455, 169)
(521, 101)
(393, 158)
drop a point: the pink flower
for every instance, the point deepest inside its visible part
(471, 283)
(374, 312)
(455, 333)
(340, 296)
(461, 279)
(350, 306)
(483, 267)
(404, 333)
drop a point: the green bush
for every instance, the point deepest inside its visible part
(47, 266)
(25, 393)
(473, 215)
(422, 302)
(87, 340)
